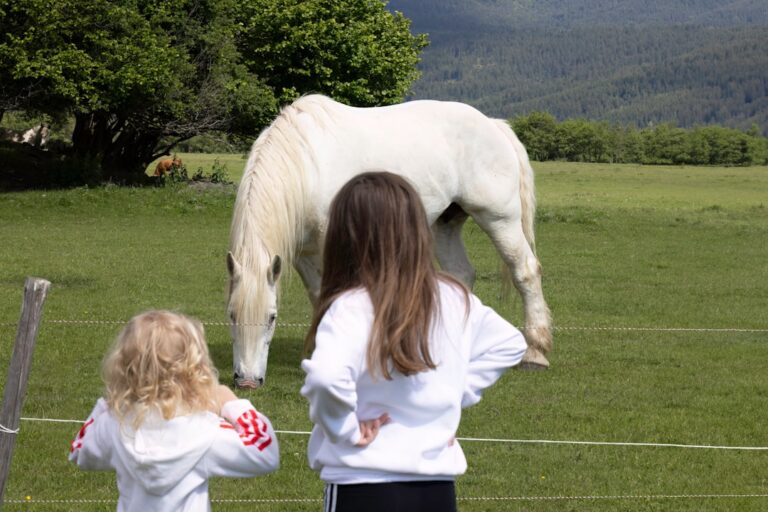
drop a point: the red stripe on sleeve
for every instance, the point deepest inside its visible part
(78, 443)
(253, 430)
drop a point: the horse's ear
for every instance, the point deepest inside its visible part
(274, 270)
(233, 267)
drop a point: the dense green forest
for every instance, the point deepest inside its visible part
(630, 62)
(461, 14)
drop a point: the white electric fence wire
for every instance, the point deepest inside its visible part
(459, 498)
(6, 430)
(518, 441)
(612, 443)
(556, 328)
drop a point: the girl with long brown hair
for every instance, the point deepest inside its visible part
(398, 349)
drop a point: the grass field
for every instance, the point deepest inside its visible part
(621, 247)
(233, 162)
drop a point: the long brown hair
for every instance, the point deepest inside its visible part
(378, 238)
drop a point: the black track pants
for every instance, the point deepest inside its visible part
(432, 496)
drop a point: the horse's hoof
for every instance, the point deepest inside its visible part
(533, 360)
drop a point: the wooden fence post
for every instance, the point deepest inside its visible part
(35, 291)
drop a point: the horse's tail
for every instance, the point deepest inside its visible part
(527, 189)
(527, 200)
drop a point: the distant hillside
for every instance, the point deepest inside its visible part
(461, 14)
(623, 61)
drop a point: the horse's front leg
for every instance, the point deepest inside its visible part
(308, 267)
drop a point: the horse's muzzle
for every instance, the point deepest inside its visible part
(243, 383)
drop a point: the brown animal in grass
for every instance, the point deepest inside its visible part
(165, 165)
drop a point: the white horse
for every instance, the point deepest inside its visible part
(461, 162)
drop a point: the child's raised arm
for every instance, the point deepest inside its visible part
(246, 444)
(88, 450)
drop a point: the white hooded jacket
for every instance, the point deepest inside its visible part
(472, 347)
(164, 465)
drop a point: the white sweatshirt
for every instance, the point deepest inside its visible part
(165, 465)
(471, 353)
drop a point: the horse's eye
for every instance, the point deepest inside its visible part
(272, 318)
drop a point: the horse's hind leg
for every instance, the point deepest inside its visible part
(507, 236)
(449, 247)
(308, 268)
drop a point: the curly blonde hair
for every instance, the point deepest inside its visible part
(159, 362)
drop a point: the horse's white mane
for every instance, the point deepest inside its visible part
(271, 197)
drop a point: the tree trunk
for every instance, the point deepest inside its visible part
(127, 158)
(121, 152)
(89, 138)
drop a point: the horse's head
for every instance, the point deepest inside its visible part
(253, 310)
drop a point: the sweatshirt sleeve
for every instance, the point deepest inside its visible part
(332, 371)
(245, 444)
(90, 449)
(496, 346)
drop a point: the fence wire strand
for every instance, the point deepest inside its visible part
(645, 497)
(296, 325)
(515, 441)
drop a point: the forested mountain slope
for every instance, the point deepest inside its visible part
(459, 14)
(632, 62)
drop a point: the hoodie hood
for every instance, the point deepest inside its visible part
(160, 453)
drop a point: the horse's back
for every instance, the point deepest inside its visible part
(400, 121)
(450, 151)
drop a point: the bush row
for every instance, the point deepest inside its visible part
(579, 140)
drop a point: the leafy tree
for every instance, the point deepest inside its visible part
(726, 146)
(137, 76)
(665, 144)
(628, 145)
(758, 146)
(698, 147)
(25, 85)
(140, 76)
(538, 131)
(580, 140)
(353, 50)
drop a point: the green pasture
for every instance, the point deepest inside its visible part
(233, 162)
(622, 248)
